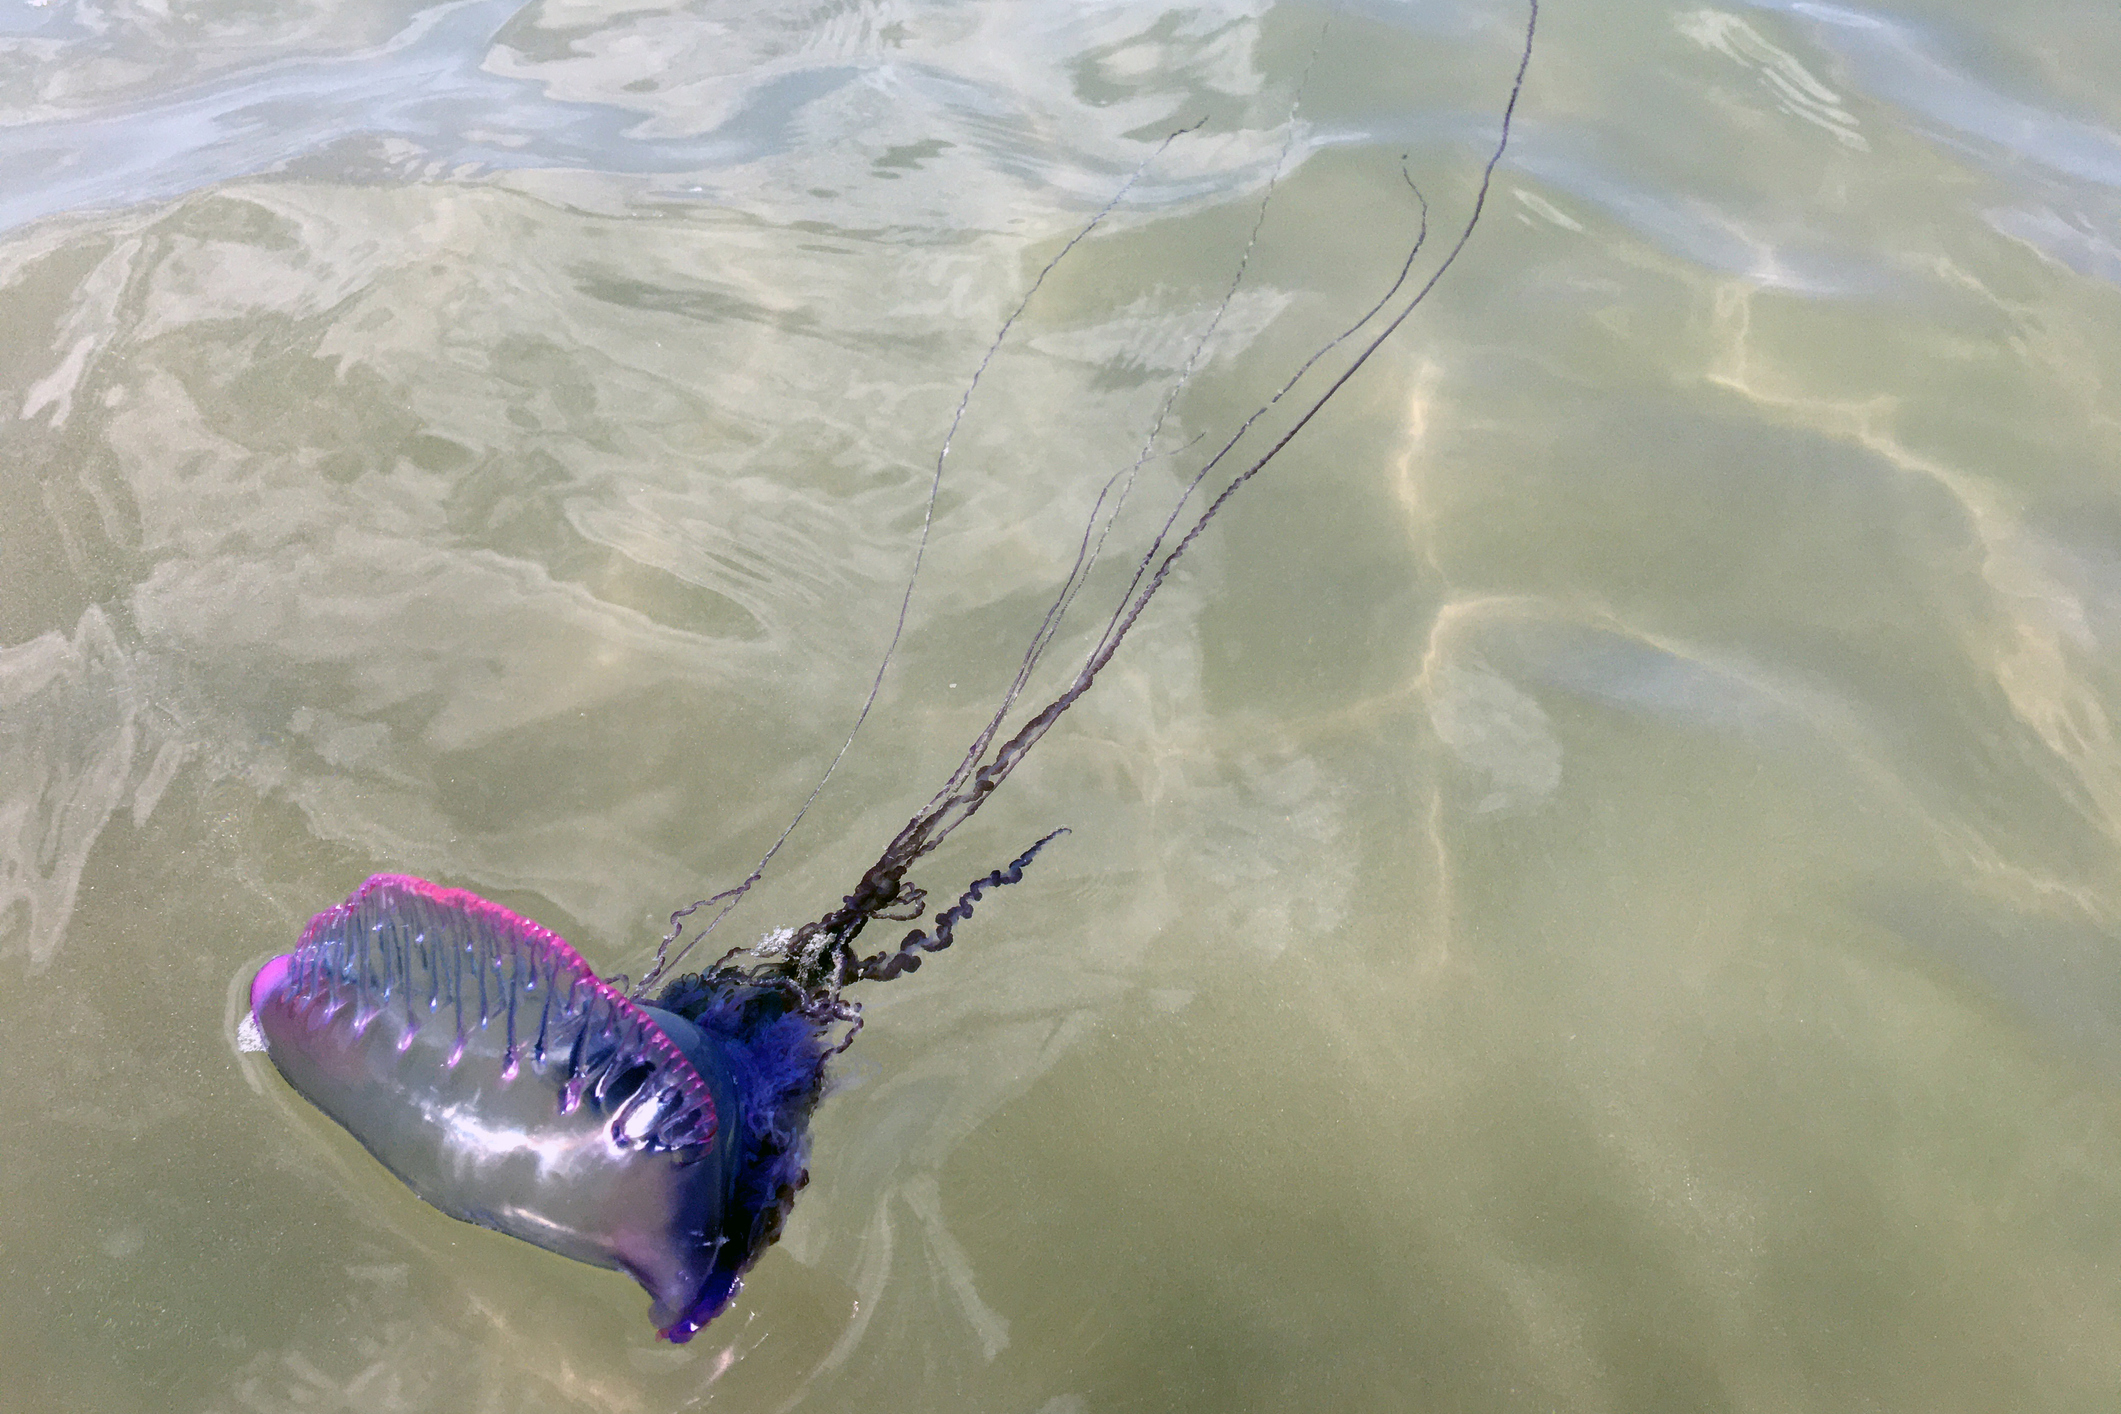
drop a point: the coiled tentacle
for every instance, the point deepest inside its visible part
(883, 966)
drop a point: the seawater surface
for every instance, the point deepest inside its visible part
(1594, 889)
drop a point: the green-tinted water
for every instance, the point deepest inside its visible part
(1595, 890)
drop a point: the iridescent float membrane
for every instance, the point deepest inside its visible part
(480, 1059)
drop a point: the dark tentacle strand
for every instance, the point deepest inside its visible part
(980, 773)
(819, 958)
(883, 966)
(665, 958)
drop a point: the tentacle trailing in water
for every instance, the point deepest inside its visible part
(821, 956)
(884, 966)
(730, 897)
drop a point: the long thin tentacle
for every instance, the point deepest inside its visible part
(882, 885)
(819, 959)
(1097, 526)
(730, 897)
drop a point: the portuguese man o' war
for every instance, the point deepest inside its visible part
(665, 1132)
(482, 1061)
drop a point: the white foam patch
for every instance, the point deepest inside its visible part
(248, 1036)
(1499, 731)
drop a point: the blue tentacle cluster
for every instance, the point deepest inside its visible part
(774, 1042)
